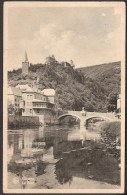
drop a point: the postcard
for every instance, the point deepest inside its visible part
(64, 97)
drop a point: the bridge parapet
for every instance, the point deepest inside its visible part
(100, 114)
(84, 113)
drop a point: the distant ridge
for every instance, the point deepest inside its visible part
(115, 63)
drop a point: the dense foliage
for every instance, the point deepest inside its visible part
(108, 76)
(13, 111)
(112, 102)
(110, 132)
(74, 88)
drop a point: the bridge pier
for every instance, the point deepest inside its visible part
(82, 123)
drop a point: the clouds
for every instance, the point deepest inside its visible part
(51, 39)
(89, 36)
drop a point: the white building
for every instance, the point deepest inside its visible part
(36, 103)
(14, 97)
(119, 102)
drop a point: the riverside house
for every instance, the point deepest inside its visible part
(36, 103)
(14, 97)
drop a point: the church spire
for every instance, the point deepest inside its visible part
(26, 58)
(25, 65)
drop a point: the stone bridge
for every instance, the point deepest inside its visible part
(85, 116)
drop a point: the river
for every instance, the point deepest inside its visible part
(60, 157)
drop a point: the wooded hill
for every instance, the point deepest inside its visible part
(108, 75)
(90, 87)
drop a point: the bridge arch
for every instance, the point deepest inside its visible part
(73, 115)
(97, 116)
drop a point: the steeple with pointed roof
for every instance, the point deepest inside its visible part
(26, 58)
(25, 65)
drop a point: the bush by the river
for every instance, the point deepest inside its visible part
(111, 134)
(112, 129)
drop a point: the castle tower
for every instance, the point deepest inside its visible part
(50, 60)
(25, 65)
(72, 64)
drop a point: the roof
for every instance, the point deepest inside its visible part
(49, 92)
(14, 91)
(23, 86)
(31, 90)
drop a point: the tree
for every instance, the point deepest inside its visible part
(112, 102)
(11, 109)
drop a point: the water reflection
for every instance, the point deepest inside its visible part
(51, 157)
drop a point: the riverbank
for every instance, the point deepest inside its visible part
(111, 133)
(18, 121)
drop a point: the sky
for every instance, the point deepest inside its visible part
(86, 35)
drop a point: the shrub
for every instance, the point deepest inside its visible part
(112, 128)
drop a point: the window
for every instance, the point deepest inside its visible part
(31, 97)
(30, 110)
(38, 111)
(27, 96)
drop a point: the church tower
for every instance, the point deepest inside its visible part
(25, 65)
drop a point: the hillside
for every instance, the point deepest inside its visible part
(74, 88)
(107, 75)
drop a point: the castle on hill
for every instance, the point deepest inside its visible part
(49, 60)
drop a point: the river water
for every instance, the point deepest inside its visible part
(60, 157)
